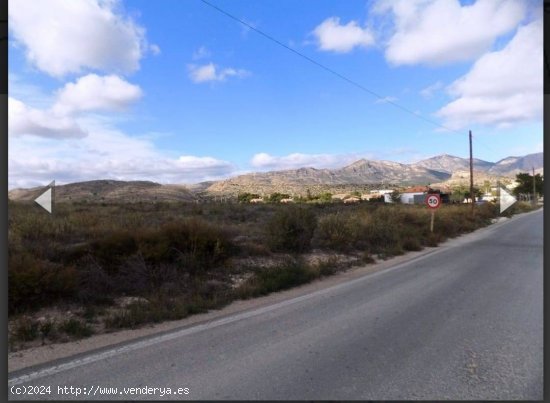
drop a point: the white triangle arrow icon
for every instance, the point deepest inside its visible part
(506, 199)
(45, 199)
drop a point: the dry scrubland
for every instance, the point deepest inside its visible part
(92, 268)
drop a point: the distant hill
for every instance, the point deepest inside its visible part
(361, 175)
(298, 181)
(512, 165)
(109, 190)
(438, 169)
(462, 178)
(449, 163)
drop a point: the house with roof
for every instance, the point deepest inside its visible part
(413, 195)
(381, 193)
(444, 193)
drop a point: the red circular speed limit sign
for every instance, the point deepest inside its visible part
(433, 201)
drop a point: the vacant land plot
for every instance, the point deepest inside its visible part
(91, 268)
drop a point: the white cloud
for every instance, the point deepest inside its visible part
(436, 32)
(385, 100)
(105, 153)
(93, 92)
(266, 161)
(88, 93)
(201, 53)
(24, 120)
(155, 49)
(63, 37)
(502, 87)
(245, 29)
(211, 72)
(332, 36)
(430, 90)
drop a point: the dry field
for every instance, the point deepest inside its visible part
(97, 267)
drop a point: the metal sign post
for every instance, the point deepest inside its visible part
(433, 201)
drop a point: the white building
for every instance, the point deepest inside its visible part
(407, 195)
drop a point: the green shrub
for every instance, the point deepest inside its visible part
(519, 207)
(193, 243)
(47, 329)
(273, 279)
(291, 229)
(26, 329)
(95, 286)
(137, 277)
(432, 239)
(277, 197)
(337, 232)
(90, 313)
(367, 258)
(76, 328)
(410, 243)
(160, 307)
(34, 283)
(328, 267)
(382, 236)
(246, 197)
(112, 248)
(133, 316)
(156, 310)
(392, 250)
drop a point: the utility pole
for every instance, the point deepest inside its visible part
(472, 174)
(534, 189)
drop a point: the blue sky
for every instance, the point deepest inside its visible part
(176, 92)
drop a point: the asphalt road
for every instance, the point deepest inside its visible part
(464, 322)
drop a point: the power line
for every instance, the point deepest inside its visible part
(476, 137)
(318, 64)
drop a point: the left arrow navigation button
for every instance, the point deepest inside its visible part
(45, 200)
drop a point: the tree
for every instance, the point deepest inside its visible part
(379, 199)
(458, 194)
(487, 187)
(277, 197)
(246, 197)
(395, 196)
(525, 185)
(325, 197)
(462, 192)
(478, 193)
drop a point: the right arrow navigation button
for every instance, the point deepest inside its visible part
(506, 199)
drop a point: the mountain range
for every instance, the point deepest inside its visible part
(109, 191)
(508, 166)
(437, 169)
(360, 175)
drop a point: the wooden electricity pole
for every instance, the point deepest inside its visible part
(472, 174)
